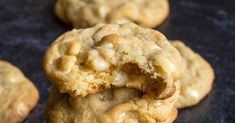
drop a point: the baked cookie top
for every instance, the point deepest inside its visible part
(90, 60)
(18, 94)
(197, 76)
(118, 105)
(86, 13)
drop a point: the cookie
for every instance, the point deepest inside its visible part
(90, 60)
(18, 94)
(119, 105)
(86, 13)
(197, 76)
(172, 117)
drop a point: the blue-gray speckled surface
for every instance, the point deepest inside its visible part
(27, 27)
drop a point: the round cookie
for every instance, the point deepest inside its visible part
(18, 94)
(86, 13)
(119, 105)
(197, 76)
(90, 60)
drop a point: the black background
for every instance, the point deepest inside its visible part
(27, 27)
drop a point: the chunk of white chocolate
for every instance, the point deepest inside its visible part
(96, 62)
(66, 63)
(100, 65)
(102, 11)
(193, 93)
(107, 53)
(74, 47)
(21, 109)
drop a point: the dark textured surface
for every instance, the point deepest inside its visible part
(27, 27)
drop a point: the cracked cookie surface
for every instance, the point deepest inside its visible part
(18, 94)
(119, 105)
(197, 76)
(86, 13)
(90, 60)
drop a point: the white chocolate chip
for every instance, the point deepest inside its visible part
(107, 45)
(21, 109)
(171, 67)
(127, 117)
(13, 80)
(74, 47)
(193, 93)
(122, 115)
(66, 63)
(120, 77)
(102, 11)
(122, 21)
(107, 53)
(96, 62)
(158, 103)
(100, 65)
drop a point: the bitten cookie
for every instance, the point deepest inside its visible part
(90, 60)
(86, 13)
(18, 94)
(197, 76)
(119, 105)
